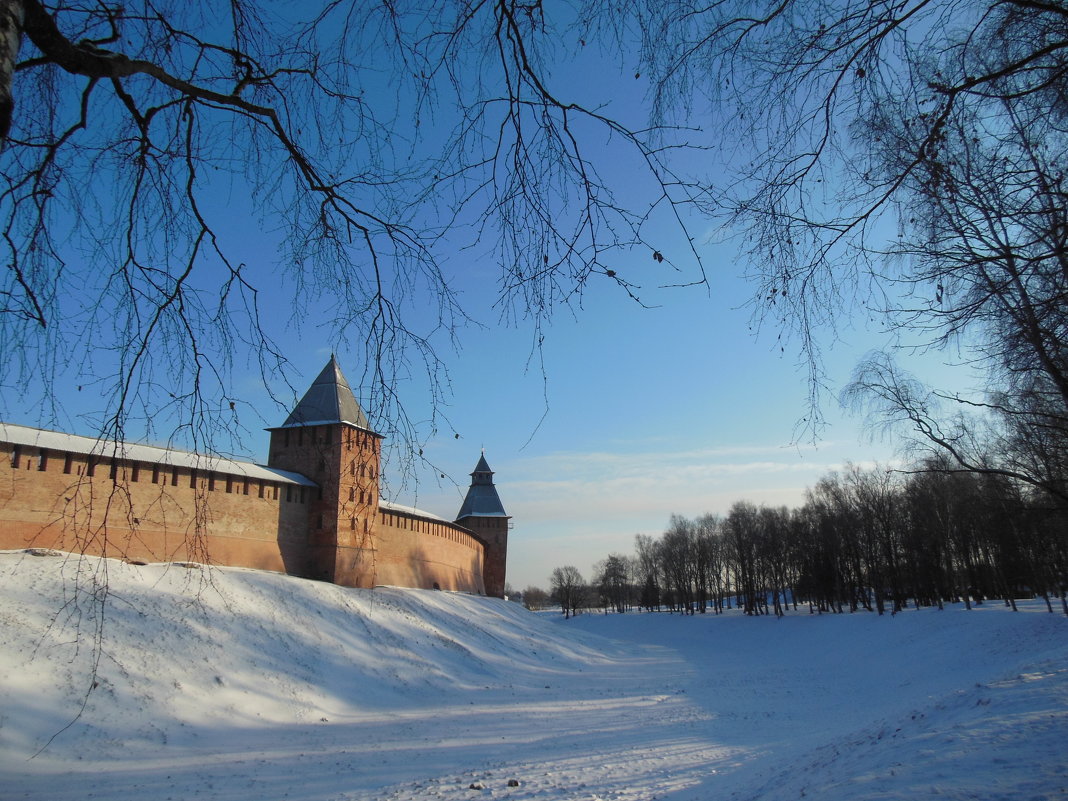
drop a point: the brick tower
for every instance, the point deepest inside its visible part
(483, 513)
(328, 439)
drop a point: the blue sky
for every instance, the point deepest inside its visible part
(623, 416)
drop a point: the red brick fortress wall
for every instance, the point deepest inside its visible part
(124, 505)
(148, 512)
(354, 542)
(416, 551)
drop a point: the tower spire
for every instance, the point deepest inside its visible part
(329, 400)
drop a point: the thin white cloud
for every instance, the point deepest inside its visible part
(572, 485)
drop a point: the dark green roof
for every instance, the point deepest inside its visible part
(482, 499)
(328, 400)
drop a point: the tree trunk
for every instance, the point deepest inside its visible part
(10, 34)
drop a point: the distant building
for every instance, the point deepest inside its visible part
(313, 510)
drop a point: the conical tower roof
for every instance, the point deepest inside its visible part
(482, 499)
(328, 400)
(482, 467)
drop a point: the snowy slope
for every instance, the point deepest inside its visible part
(238, 684)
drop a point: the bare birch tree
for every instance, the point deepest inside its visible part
(368, 139)
(902, 158)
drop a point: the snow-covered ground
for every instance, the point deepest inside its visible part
(237, 684)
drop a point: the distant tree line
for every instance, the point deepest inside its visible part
(865, 539)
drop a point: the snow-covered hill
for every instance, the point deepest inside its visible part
(238, 684)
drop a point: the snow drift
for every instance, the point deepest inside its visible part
(168, 681)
